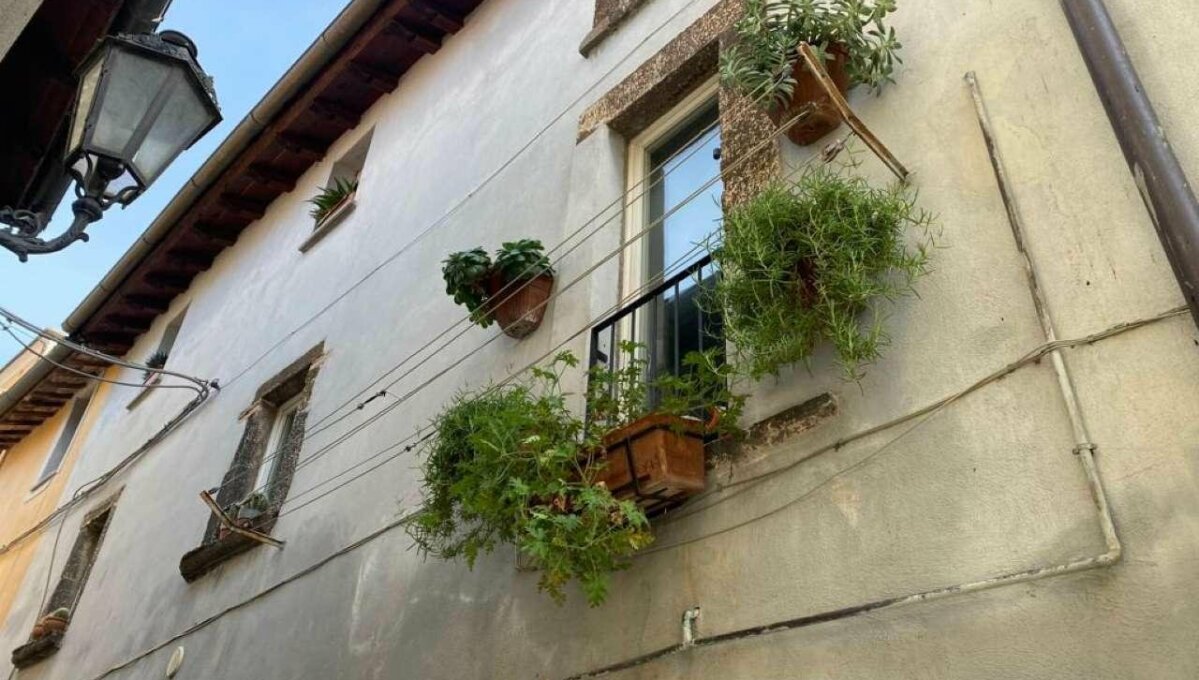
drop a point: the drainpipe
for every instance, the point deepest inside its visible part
(1159, 177)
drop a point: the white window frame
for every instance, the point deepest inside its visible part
(269, 467)
(635, 255)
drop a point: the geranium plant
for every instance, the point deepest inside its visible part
(513, 464)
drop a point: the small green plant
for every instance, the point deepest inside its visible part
(522, 259)
(617, 397)
(331, 197)
(760, 63)
(513, 464)
(801, 263)
(156, 360)
(468, 274)
(255, 501)
(61, 613)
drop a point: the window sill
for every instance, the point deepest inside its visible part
(35, 650)
(201, 560)
(147, 387)
(328, 224)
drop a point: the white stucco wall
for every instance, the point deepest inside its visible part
(987, 486)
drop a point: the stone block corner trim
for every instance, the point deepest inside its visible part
(609, 14)
(35, 650)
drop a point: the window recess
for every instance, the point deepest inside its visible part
(159, 357)
(244, 508)
(337, 196)
(54, 620)
(65, 439)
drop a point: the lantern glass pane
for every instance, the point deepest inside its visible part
(179, 124)
(130, 87)
(83, 105)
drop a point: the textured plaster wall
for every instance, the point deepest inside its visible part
(22, 505)
(987, 486)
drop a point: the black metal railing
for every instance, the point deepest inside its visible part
(668, 322)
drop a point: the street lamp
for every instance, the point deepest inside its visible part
(142, 100)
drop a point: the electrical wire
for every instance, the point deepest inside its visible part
(486, 182)
(29, 348)
(561, 290)
(407, 446)
(201, 385)
(400, 521)
(408, 442)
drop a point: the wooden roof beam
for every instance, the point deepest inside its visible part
(326, 108)
(378, 79)
(265, 174)
(442, 18)
(399, 27)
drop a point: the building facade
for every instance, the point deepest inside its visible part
(942, 518)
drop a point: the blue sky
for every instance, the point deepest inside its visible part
(246, 45)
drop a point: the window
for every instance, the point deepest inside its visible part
(337, 203)
(280, 433)
(54, 460)
(158, 359)
(264, 462)
(675, 193)
(66, 594)
(349, 167)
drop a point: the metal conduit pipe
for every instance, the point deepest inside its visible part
(1084, 450)
(1155, 168)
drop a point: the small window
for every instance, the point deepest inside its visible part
(337, 195)
(349, 167)
(54, 460)
(165, 344)
(54, 621)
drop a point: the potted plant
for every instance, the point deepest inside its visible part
(803, 262)
(654, 432)
(339, 193)
(251, 508)
(850, 36)
(156, 360)
(512, 464)
(56, 621)
(513, 290)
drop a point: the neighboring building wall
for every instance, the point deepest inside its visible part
(986, 486)
(21, 504)
(14, 14)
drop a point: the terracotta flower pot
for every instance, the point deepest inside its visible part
(39, 631)
(825, 118)
(519, 307)
(657, 460)
(54, 624)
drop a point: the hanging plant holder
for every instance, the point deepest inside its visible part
(824, 116)
(657, 461)
(519, 307)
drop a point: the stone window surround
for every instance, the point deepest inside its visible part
(296, 380)
(71, 581)
(666, 78)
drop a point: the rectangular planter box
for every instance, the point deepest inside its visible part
(666, 453)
